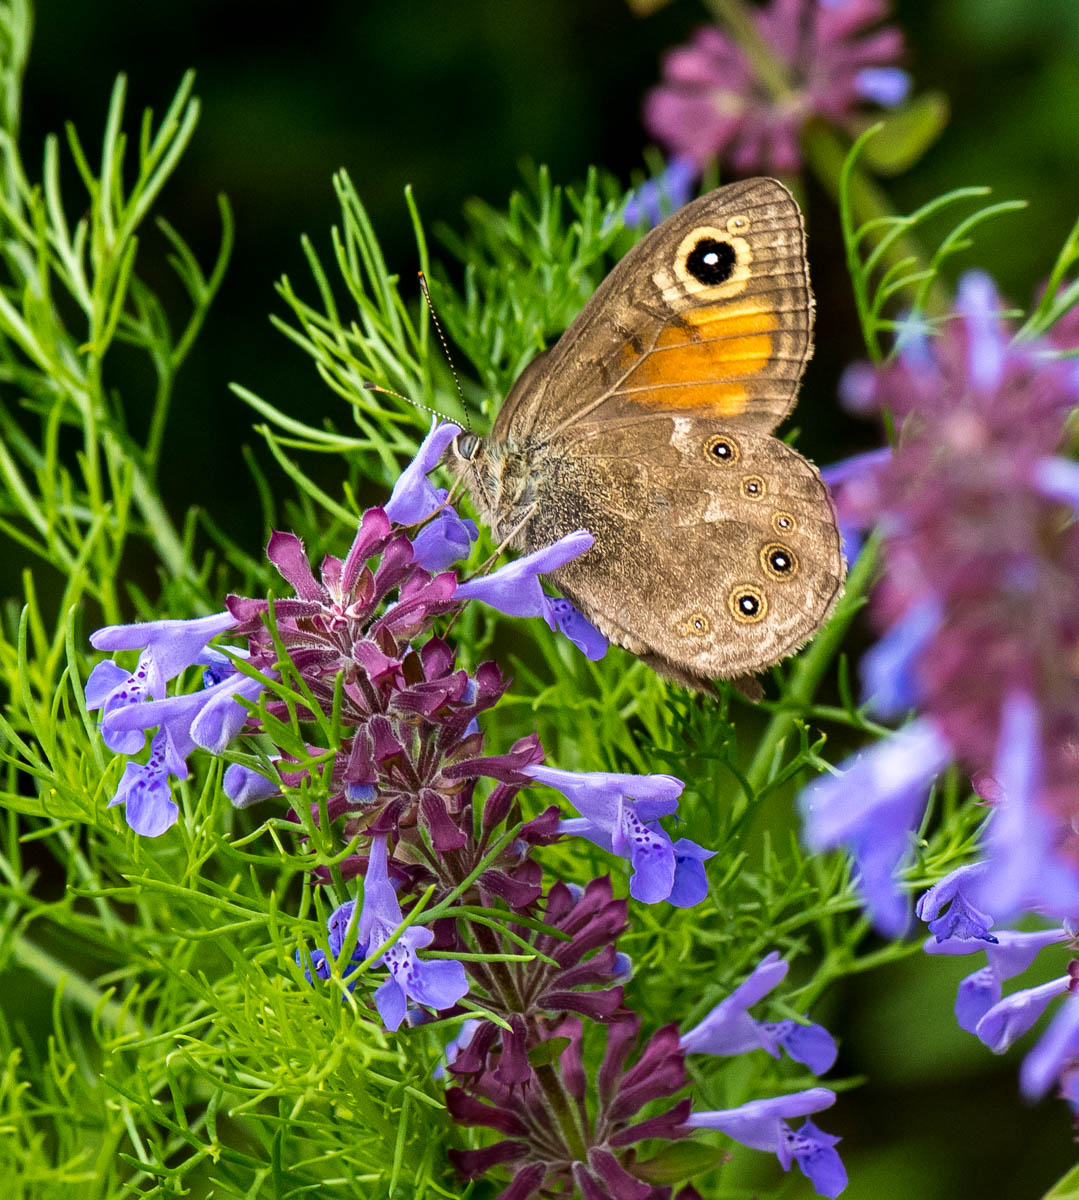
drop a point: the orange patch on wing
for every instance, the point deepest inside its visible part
(719, 321)
(696, 356)
(720, 399)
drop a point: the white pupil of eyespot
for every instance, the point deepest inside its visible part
(711, 258)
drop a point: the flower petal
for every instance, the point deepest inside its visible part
(413, 497)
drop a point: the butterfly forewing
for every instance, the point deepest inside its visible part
(710, 312)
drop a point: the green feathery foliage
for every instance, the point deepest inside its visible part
(165, 1042)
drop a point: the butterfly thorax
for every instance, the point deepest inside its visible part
(501, 478)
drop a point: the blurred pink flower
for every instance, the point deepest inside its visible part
(712, 103)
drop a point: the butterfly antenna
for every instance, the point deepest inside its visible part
(445, 346)
(377, 387)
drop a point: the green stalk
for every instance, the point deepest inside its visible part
(52, 972)
(808, 671)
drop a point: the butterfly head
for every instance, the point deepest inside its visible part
(464, 448)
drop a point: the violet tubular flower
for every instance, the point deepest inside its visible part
(437, 984)
(872, 809)
(658, 197)
(619, 813)
(132, 702)
(973, 544)
(762, 1124)
(712, 102)
(168, 647)
(515, 590)
(1008, 953)
(729, 1029)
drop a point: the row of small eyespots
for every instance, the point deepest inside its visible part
(724, 449)
(747, 602)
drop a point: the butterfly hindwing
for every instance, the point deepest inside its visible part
(717, 564)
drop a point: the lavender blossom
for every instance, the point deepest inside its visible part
(978, 602)
(729, 1029)
(1013, 1016)
(132, 702)
(658, 197)
(1055, 1055)
(438, 983)
(167, 648)
(414, 498)
(948, 910)
(515, 590)
(762, 1124)
(1008, 953)
(871, 809)
(245, 786)
(618, 812)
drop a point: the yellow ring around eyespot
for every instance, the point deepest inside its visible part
(778, 519)
(778, 548)
(751, 481)
(695, 625)
(747, 589)
(733, 284)
(721, 439)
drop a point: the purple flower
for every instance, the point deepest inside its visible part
(712, 103)
(444, 540)
(1011, 1017)
(690, 881)
(167, 648)
(886, 86)
(414, 498)
(962, 919)
(889, 668)
(618, 813)
(850, 482)
(1054, 1055)
(144, 787)
(1024, 869)
(210, 718)
(457, 1045)
(560, 614)
(871, 809)
(1009, 954)
(729, 1029)
(514, 589)
(658, 197)
(981, 583)
(762, 1124)
(245, 786)
(1057, 479)
(438, 983)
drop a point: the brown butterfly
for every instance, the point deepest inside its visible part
(650, 424)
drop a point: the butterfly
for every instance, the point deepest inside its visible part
(651, 424)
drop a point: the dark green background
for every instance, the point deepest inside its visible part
(449, 97)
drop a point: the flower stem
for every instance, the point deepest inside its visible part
(807, 673)
(54, 973)
(559, 1099)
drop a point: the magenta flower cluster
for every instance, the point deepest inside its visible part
(433, 813)
(713, 103)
